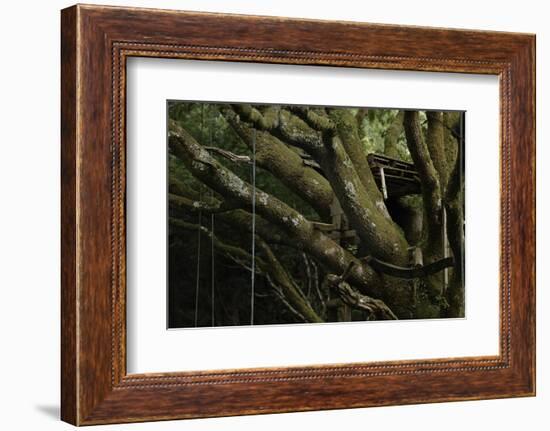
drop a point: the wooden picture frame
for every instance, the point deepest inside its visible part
(95, 43)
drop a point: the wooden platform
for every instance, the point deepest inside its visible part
(394, 177)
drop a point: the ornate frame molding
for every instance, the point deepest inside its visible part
(96, 41)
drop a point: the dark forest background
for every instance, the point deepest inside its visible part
(351, 214)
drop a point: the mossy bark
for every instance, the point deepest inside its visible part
(331, 139)
(322, 248)
(269, 266)
(286, 165)
(392, 136)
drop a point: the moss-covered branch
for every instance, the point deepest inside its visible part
(317, 120)
(182, 200)
(392, 136)
(349, 296)
(279, 122)
(435, 139)
(346, 125)
(270, 267)
(288, 286)
(285, 164)
(266, 120)
(429, 179)
(201, 205)
(294, 131)
(455, 232)
(380, 236)
(343, 161)
(204, 167)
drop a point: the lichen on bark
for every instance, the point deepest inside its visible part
(318, 155)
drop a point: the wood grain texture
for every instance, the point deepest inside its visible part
(96, 41)
(69, 397)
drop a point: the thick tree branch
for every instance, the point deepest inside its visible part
(266, 120)
(182, 199)
(280, 295)
(452, 122)
(236, 158)
(455, 185)
(359, 117)
(354, 299)
(317, 153)
(286, 165)
(456, 180)
(220, 179)
(231, 251)
(346, 125)
(392, 135)
(279, 122)
(198, 205)
(363, 206)
(294, 131)
(455, 232)
(316, 120)
(357, 193)
(380, 236)
(289, 288)
(431, 191)
(435, 139)
(270, 267)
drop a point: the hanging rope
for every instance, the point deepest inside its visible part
(198, 269)
(253, 252)
(212, 251)
(197, 281)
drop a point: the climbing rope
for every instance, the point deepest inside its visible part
(198, 266)
(212, 251)
(253, 251)
(198, 270)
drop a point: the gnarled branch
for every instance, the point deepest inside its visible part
(195, 206)
(354, 299)
(285, 164)
(266, 120)
(316, 120)
(270, 267)
(239, 218)
(435, 140)
(323, 249)
(392, 135)
(429, 180)
(237, 158)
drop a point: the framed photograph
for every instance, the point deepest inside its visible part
(264, 214)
